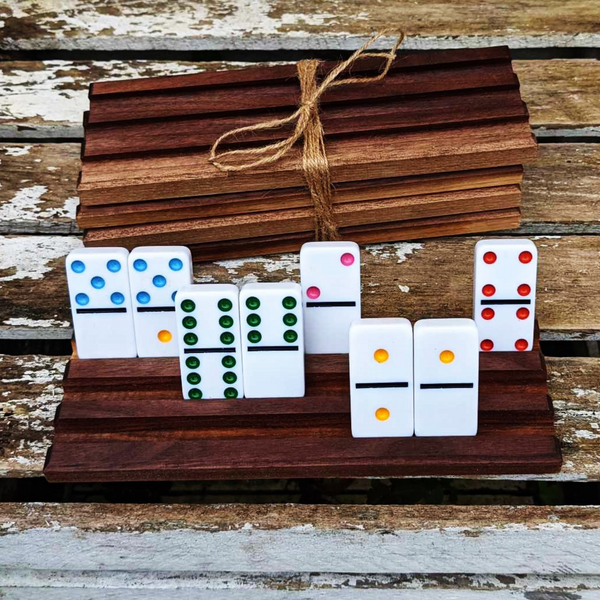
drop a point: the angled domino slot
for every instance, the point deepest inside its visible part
(504, 294)
(272, 334)
(208, 329)
(155, 275)
(381, 378)
(446, 356)
(101, 302)
(330, 278)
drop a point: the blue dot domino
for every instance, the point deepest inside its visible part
(175, 264)
(117, 298)
(77, 266)
(159, 281)
(82, 299)
(140, 264)
(114, 266)
(97, 282)
(143, 297)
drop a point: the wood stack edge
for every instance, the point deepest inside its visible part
(436, 148)
(125, 420)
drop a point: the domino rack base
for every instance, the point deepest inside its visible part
(125, 420)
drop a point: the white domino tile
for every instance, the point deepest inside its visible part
(381, 378)
(272, 340)
(155, 275)
(101, 303)
(330, 277)
(446, 356)
(208, 329)
(504, 294)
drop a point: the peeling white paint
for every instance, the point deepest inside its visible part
(53, 95)
(288, 264)
(17, 150)
(30, 257)
(588, 394)
(400, 250)
(24, 206)
(586, 435)
(35, 323)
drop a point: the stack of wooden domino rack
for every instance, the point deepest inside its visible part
(435, 148)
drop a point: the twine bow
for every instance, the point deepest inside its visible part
(315, 165)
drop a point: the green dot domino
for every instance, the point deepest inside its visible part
(194, 378)
(225, 304)
(229, 377)
(252, 303)
(253, 320)
(230, 393)
(192, 362)
(188, 306)
(227, 338)
(290, 319)
(189, 322)
(289, 302)
(226, 321)
(191, 339)
(228, 362)
(254, 337)
(290, 336)
(195, 394)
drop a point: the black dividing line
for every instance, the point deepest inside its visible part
(156, 309)
(328, 304)
(92, 311)
(388, 384)
(488, 302)
(446, 386)
(272, 348)
(208, 350)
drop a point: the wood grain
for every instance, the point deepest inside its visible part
(373, 214)
(285, 92)
(36, 390)
(176, 209)
(561, 191)
(124, 420)
(48, 98)
(358, 157)
(141, 135)
(292, 25)
(396, 280)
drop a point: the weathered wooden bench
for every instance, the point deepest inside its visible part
(290, 550)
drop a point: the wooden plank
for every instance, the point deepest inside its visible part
(561, 190)
(396, 276)
(214, 100)
(279, 73)
(76, 543)
(47, 99)
(284, 24)
(191, 131)
(360, 157)
(32, 389)
(38, 192)
(176, 209)
(35, 390)
(125, 420)
(374, 214)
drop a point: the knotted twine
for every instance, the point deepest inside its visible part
(315, 166)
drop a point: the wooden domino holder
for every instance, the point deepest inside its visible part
(125, 420)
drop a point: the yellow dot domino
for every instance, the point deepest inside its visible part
(165, 336)
(447, 356)
(382, 414)
(381, 355)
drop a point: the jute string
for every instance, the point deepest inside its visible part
(315, 165)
